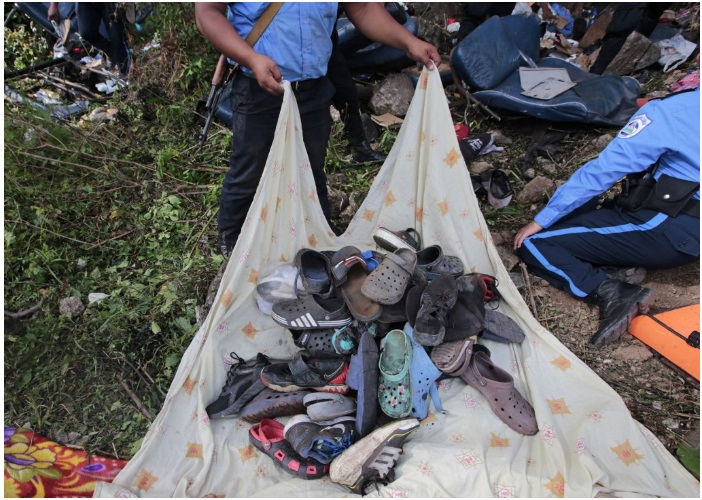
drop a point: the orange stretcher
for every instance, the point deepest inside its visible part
(674, 334)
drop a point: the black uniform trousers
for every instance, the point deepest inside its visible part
(254, 116)
(569, 253)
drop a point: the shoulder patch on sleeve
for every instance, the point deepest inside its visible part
(636, 125)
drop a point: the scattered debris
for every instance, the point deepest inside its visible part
(96, 297)
(71, 306)
(102, 114)
(387, 120)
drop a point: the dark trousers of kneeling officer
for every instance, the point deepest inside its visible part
(653, 223)
(571, 254)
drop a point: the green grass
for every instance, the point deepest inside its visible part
(86, 211)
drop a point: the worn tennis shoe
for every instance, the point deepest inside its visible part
(242, 385)
(322, 442)
(372, 458)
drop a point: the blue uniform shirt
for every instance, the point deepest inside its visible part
(668, 129)
(298, 38)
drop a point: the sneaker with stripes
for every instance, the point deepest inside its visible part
(311, 312)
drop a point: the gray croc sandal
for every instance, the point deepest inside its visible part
(311, 313)
(387, 283)
(432, 262)
(322, 407)
(498, 388)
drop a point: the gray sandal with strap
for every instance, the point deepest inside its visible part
(387, 283)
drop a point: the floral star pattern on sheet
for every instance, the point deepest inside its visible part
(444, 207)
(626, 453)
(264, 213)
(189, 385)
(145, 480)
(561, 362)
(498, 442)
(558, 407)
(194, 450)
(253, 276)
(249, 330)
(469, 459)
(471, 401)
(503, 491)
(424, 468)
(557, 485)
(312, 241)
(226, 300)
(548, 434)
(246, 453)
(389, 199)
(580, 446)
(595, 416)
(452, 157)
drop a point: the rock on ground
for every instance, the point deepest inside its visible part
(72, 306)
(535, 190)
(393, 95)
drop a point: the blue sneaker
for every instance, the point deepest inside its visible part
(321, 442)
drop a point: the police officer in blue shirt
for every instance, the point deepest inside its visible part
(654, 223)
(296, 46)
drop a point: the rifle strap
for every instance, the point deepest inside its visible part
(263, 22)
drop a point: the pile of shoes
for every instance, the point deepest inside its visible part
(376, 331)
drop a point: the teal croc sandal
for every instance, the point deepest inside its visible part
(423, 376)
(395, 385)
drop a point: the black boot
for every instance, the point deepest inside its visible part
(619, 303)
(363, 153)
(226, 243)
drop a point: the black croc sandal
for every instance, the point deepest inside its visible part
(315, 272)
(268, 438)
(316, 341)
(432, 262)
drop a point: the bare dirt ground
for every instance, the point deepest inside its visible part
(664, 400)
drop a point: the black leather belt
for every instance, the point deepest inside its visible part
(304, 84)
